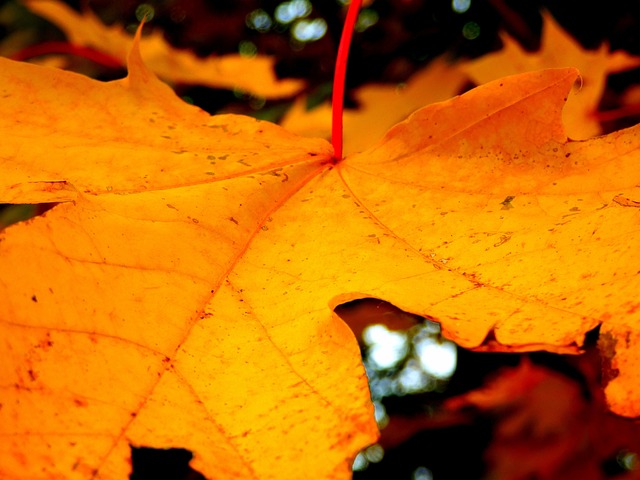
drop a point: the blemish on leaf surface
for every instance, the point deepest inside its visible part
(626, 202)
(506, 203)
(503, 239)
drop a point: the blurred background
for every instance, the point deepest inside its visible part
(444, 412)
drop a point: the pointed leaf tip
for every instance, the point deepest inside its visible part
(533, 100)
(137, 70)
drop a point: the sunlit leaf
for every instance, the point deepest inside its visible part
(181, 293)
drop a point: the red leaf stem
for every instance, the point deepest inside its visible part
(47, 48)
(337, 101)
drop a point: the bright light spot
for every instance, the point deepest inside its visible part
(422, 473)
(413, 379)
(437, 358)
(287, 12)
(471, 30)
(247, 49)
(145, 12)
(382, 419)
(360, 463)
(628, 460)
(374, 453)
(379, 333)
(460, 6)
(367, 18)
(381, 387)
(386, 348)
(431, 327)
(309, 30)
(259, 20)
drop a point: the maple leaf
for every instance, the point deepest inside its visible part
(180, 293)
(557, 49)
(149, 358)
(233, 71)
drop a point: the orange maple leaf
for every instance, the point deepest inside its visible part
(558, 49)
(180, 293)
(233, 71)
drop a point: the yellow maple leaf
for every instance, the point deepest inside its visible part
(176, 348)
(234, 71)
(181, 292)
(558, 49)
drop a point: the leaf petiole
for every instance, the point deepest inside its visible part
(48, 48)
(337, 100)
